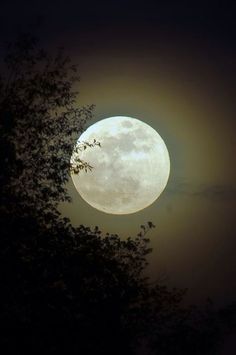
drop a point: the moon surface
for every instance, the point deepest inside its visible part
(130, 169)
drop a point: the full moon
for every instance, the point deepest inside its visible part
(130, 169)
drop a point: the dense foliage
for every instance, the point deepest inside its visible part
(40, 119)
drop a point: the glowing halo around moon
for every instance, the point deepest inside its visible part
(130, 169)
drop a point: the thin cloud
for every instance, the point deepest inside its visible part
(209, 191)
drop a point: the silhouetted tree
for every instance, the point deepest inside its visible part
(68, 290)
(40, 120)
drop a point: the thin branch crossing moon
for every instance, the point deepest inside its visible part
(130, 169)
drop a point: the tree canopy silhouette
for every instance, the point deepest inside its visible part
(41, 117)
(68, 290)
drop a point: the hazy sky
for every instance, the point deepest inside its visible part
(185, 91)
(174, 68)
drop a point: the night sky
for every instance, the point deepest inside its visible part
(172, 66)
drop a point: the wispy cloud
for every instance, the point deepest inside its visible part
(209, 191)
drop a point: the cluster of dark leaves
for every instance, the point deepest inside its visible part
(67, 290)
(40, 118)
(77, 164)
(64, 278)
